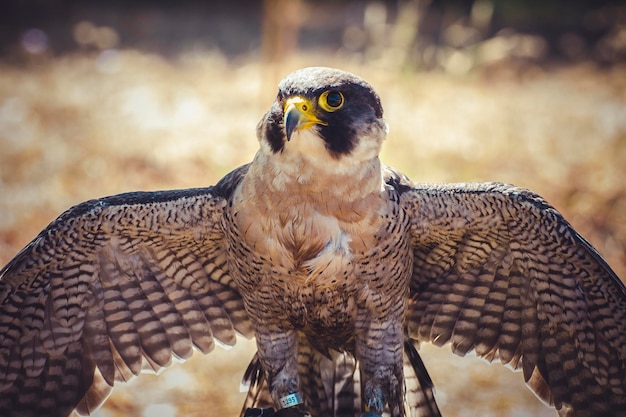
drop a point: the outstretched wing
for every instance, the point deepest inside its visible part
(112, 287)
(497, 270)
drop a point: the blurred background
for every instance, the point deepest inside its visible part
(99, 98)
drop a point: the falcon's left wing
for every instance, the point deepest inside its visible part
(498, 271)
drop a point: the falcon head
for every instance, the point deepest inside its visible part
(324, 114)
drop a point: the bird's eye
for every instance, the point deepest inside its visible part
(331, 100)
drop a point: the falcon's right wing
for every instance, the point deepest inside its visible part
(112, 287)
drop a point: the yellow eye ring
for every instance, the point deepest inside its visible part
(331, 100)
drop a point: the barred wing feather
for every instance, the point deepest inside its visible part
(112, 287)
(498, 271)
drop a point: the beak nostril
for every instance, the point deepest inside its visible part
(299, 114)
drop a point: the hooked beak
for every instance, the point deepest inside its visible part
(299, 114)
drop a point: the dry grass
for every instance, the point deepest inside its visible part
(72, 129)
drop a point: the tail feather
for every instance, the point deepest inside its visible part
(346, 397)
(255, 382)
(331, 384)
(420, 390)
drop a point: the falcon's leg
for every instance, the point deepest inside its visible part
(278, 355)
(379, 350)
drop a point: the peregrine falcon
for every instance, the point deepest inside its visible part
(338, 265)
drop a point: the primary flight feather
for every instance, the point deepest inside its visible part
(337, 264)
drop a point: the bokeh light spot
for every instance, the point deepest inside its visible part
(35, 41)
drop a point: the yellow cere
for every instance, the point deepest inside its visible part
(306, 110)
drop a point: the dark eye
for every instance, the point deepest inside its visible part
(331, 100)
(334, 99)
